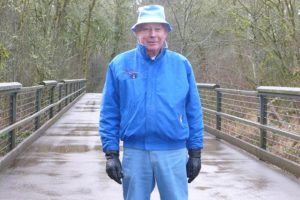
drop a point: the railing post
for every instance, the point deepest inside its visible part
(76, 89)
(11, 88)
(51, 101)
(59, 96)
(38, 107)
(13, 118)
(263, 120)
(81, 83)
(67, 93)
(218, 109)
(52, 84)
(72, 90)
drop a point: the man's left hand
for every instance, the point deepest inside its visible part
(193, 165)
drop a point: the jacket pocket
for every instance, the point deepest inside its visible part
(182, 120)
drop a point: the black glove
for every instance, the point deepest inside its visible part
(193, 165)
(113, 166)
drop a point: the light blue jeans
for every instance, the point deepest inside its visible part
(142, 169)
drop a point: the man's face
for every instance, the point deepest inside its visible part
(152, 36)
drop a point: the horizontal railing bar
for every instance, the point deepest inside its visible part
(207, 85)
(73, 80)
(295, 97)
(49, 83)
(279, 90)
(265, 127)
(14, 87)
(233, 91)
(23, 121)
(32, 88)
(8, 92)
(10, 86)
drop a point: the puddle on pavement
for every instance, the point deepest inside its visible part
(64, 148)
(84, 191)
(224, 166)
(88, 107)
(86, 110)
(86, 129)
(91, 103)
(202, 188)
(98, 148)
(26, 162)
(78, 127)
(75, 133)
(256, 183)
(53, 174)
(212, 146)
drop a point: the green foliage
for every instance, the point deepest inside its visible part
(4, 55)
(240, 44)
(269, 28)
(3, 141)
(52, 39)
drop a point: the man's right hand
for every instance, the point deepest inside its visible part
(113, 166)
(193, 165)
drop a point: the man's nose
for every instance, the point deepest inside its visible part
(152, 32)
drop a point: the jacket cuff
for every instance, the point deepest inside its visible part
(195, 153)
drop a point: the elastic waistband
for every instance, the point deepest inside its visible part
(155, 146)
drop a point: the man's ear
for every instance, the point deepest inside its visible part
(137, 39)
(166, 44)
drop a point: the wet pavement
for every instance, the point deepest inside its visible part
(67, 163)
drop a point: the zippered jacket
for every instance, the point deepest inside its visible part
(150, 104)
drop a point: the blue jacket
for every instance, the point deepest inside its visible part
(150, 104)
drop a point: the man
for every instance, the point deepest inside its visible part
(150, 102)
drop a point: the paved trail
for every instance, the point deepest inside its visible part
(66, 163)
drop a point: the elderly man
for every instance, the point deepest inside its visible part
(151, 103)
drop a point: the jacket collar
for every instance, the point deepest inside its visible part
(143, 52)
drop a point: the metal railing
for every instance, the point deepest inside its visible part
(23, 110)
(265, 122)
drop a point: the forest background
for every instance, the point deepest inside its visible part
(237, 44)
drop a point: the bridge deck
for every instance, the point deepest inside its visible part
(66, 163)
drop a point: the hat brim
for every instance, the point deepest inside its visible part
(167, 25)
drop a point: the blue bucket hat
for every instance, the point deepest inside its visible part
(151, 14)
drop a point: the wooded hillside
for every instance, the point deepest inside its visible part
(235, 43)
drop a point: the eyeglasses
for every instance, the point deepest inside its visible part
(151, 28)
